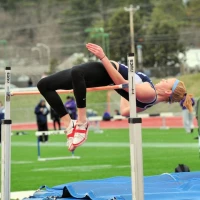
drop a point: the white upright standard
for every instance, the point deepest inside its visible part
(135, 136)
(6, 141)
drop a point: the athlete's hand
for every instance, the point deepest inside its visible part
(96, 50)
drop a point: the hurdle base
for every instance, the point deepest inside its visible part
(98, 131)
(59, 158)
(164, 127)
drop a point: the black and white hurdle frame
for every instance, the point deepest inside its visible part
(135, 136)
(6, 141)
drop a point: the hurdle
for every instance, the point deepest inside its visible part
(164, 116)
(44, 133)
(95, 121)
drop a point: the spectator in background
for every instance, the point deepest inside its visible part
(30, 82)
(56, 119)
(70, 105)
(106, 116)
(187, 117)
(91, 113)
(41, 112)
(2, 112)
(117, 112)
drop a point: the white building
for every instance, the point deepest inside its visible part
(191, 59)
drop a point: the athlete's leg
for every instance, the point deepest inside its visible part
(78, 78)
(85, 76)
(48, 86)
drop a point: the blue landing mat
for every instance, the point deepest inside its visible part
(174, 186)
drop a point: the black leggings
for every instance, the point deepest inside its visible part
(78, 78)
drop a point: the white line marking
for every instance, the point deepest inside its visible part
(110, 144)
(20, 162)
(80, 168)
(21, 194)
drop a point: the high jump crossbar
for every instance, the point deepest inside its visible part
(32, 91)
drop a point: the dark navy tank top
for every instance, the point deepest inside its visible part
(139, 78)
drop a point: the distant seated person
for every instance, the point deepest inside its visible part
(106, 116)
(117, 112)
(70, 105)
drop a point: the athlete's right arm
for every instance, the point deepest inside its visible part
(124, 107)
(113, 73)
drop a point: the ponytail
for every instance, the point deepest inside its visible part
(179, 95)
(188, 102)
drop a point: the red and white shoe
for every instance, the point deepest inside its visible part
(70, 131)
(80, 134)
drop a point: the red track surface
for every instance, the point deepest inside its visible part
(152, 122)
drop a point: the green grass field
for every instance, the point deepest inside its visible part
(103, 155)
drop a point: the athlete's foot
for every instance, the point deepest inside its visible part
(70, 131)
(80, 134)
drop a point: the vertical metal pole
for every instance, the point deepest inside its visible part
(38, 147)
(140, 59)
(131, 11)
(135, 135)
(199, 143)
(6, 141)
(108, 45)
(49, 57)
(108, 101)
(131, 28)
(164, 123)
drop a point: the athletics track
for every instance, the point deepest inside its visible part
(151, 122)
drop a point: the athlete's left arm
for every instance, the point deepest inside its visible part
(144, 93)
(125, 107)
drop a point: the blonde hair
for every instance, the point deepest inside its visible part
(181, 94)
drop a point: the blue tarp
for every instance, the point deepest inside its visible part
(173, 186)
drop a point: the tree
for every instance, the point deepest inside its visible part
(81, 15)
(192, 25)
(193, 12)
(119, 28)
(8, 4)
(53, 65)
(77, 17)
(161, 43)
